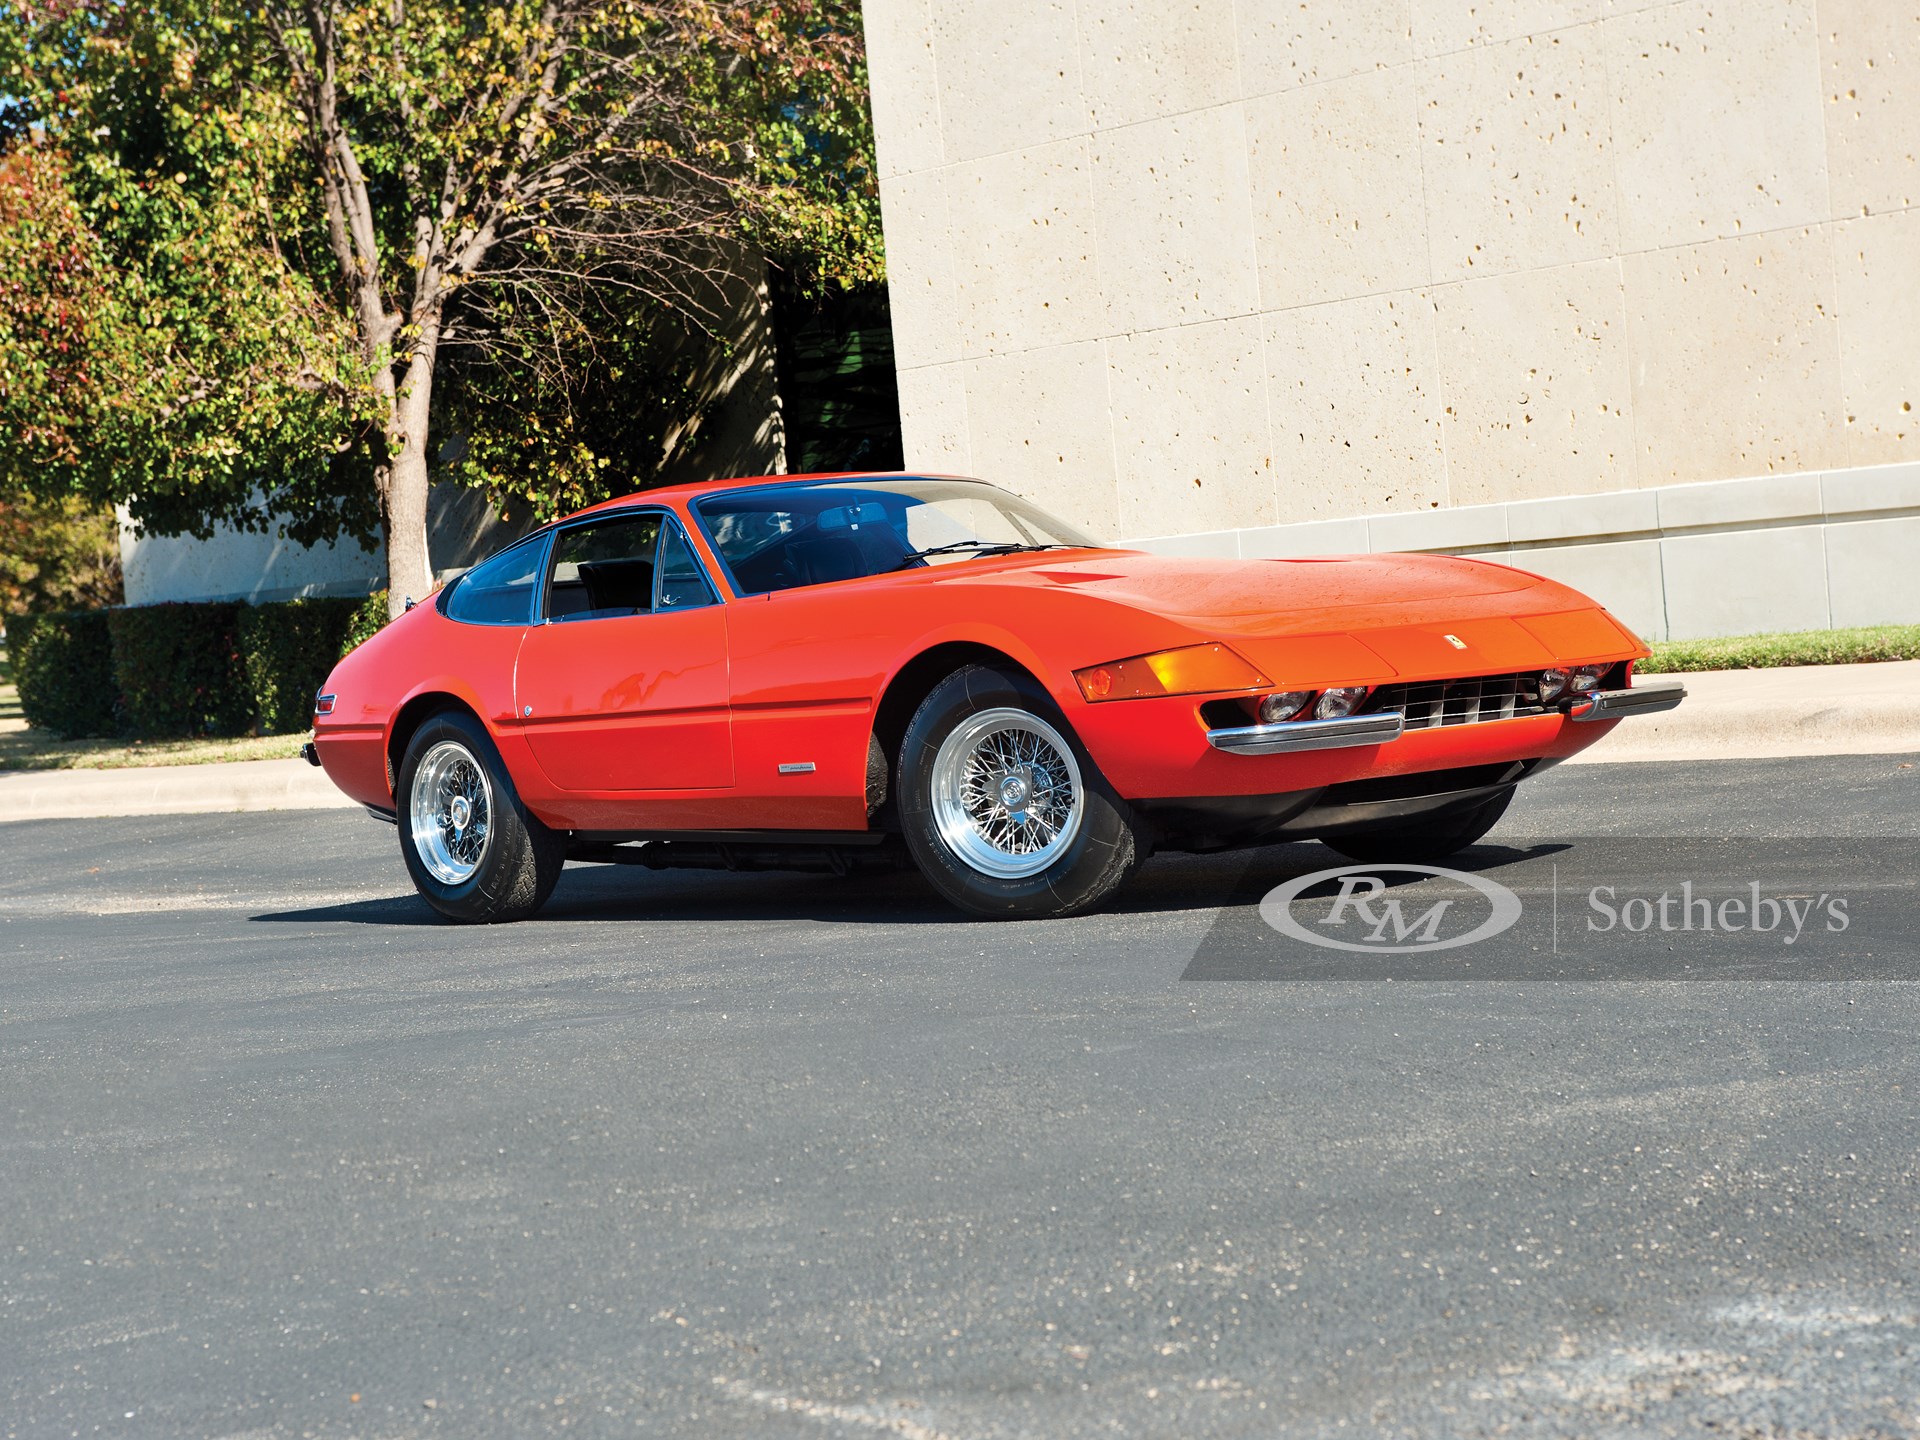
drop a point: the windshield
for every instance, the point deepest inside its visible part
(777, 537)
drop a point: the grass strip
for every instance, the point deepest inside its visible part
(1863, 645)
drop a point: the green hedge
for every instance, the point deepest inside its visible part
(180, 669)
(288, 648)
(368, 621)
(205, 668)
(63, 667)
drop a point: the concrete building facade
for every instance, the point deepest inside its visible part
(1624, 293)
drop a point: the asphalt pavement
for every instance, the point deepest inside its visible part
(764, 1155)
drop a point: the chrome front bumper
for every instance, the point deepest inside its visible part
(1640, 700)
(1293, 736)
(1290, 736)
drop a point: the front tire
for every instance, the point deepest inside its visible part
(1423, 841)
(476, 854)
(1002, 808)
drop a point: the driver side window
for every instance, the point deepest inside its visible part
(623, 565)
(603, 569)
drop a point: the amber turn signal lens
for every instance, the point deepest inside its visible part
(1190, 670)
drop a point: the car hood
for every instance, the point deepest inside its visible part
(1262, 590)
(1361, 617)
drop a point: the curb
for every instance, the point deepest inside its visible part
(1773, 714)
(168, 790)
(1727, 715)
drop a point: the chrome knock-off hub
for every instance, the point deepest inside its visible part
(1014, 790)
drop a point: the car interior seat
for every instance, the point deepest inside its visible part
(620, 586)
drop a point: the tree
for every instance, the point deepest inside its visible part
(57, 555)
(156, 348)
(526, 192)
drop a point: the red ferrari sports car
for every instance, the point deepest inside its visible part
(854, 671)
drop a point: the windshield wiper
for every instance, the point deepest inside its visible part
(980, 547)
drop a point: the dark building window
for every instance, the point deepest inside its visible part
(833, 361)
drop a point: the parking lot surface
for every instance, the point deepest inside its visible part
(766, 1155)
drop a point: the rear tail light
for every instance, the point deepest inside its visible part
(323, 704)
(1190, 670)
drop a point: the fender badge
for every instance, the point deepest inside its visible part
(1455, 641)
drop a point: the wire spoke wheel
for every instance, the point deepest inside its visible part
(1007, 795)
(450, 812)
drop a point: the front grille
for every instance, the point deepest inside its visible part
(1428, 704)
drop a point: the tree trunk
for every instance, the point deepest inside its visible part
(409, 571)
(409, 567)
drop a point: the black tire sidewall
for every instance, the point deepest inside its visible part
(523, 858)
(1106, 850)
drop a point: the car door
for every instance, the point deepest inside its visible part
(623, 686)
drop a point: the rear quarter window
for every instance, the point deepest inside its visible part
(499, 591)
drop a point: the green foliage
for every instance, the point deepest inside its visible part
(817, 210)
(161, 671)
(543, 441)
(156, 347)
(289, 648)
(57, 555)
(368, 620)
(63, 666)
(180, 670)
(197, 321)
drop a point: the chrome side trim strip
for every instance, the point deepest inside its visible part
(1645, 699)
(1292, 736)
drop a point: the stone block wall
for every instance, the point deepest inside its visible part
(1211, 266)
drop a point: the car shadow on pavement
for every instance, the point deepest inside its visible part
(1240, 879)
(1167, 884)
(589, 893)
(388, 910)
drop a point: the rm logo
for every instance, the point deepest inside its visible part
(1364, 918)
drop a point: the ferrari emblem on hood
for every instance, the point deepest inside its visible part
(1456, 642)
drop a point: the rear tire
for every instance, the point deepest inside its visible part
(1423, 841)
(476, 854)
(1002, 808)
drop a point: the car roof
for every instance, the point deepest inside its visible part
(694, 489)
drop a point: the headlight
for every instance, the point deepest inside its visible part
(1553, 684)
(1588, 677)
(1190, 670)
(1284, 706)
(1342, 700)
